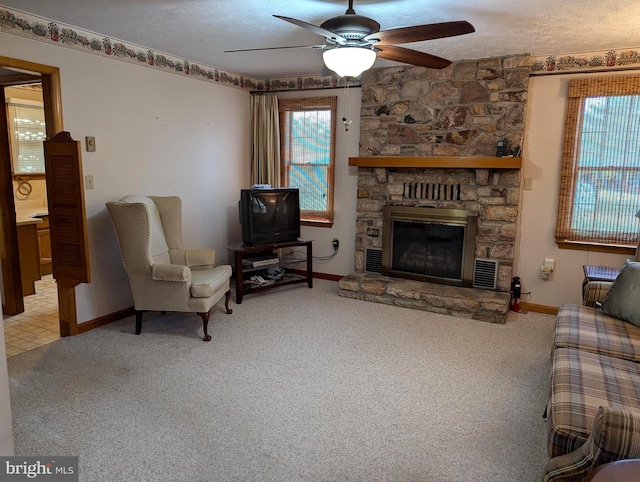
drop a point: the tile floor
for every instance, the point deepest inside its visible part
(39, 324)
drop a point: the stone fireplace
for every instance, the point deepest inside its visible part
(428, 140)
(490, 194)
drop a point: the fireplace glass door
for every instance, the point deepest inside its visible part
(429, 244)
(427, 249)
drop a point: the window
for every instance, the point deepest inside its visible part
(307, 153)
(26, 133)
(600, 176)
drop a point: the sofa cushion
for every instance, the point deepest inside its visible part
(588, 329)
(622, 298)
(581, 382)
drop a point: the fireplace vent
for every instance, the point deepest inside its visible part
(432, 191)
(485, 273)
(373, 260)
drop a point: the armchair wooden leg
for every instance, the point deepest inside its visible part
(138, 322)
(227, 298)
(205, 323)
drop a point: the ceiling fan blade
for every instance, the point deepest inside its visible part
(278, 48)
(419, 33)
(413, 57)
(317, 30)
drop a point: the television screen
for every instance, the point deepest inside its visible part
(270, 215)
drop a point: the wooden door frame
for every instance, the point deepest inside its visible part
(52, 98)
(13, 300)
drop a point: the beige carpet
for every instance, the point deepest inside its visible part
(297, 384)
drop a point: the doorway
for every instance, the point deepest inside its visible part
(38, 324)
(65, 283)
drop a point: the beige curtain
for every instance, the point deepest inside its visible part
(265, 140)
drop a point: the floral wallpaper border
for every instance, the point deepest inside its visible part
(622, 59)
(24, 24)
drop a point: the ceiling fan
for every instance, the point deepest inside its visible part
(353, 41)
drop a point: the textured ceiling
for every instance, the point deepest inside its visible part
(201, 30)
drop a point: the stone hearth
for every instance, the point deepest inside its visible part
(478, 304)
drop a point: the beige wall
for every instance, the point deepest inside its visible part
(542, 155)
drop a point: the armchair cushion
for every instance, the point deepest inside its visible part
(170, 272)
(206, 282)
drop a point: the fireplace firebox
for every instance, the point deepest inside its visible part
(429, 244)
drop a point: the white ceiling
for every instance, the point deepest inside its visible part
(201, 30)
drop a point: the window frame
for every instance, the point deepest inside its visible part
(579, 90)
(31, 104)
(307, 104)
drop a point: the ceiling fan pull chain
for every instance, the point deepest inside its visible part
(346, 106)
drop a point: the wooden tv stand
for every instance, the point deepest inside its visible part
(242, 250)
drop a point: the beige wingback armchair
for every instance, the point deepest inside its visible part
(163, 275)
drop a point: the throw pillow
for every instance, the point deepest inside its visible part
(623, 298)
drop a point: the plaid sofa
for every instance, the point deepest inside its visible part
(593, 292)
(594, 405)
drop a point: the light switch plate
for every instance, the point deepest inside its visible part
(91, 143)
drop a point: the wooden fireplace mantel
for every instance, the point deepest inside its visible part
(439, 162)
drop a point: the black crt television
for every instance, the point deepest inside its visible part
(269, 215)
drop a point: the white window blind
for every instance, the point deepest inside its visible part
(26, 132)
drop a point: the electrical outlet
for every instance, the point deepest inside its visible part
(545, 271)
(88, 181)
(335, 243)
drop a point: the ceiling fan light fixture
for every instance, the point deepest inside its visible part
(349, 61)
